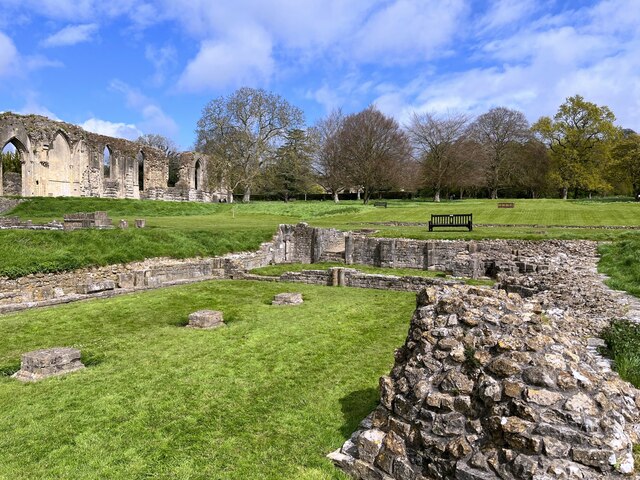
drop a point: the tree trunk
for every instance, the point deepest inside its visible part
(365, 197)
(246, 197)
(358, 197)
(461, 192)
(336, 199)
(229, 196)
(565, 193)
(494, 194)
(436, 196)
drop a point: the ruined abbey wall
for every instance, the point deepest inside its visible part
(61, 159)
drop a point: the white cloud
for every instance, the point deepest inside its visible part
(155, 120)
(162, 59)
(71, 35)
(112, 129)
(245, 58)
(8, 55)
(406, 31)
(33, 106)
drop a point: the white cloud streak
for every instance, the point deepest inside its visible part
(71, 35)
(112, 129)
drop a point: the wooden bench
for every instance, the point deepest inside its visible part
(380, 204)
(452, 220)
(506, 204)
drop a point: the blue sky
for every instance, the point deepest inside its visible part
(126, 67)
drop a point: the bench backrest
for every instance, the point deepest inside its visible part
(453, 219)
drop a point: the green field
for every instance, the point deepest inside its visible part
(266, 397)
(194, 229)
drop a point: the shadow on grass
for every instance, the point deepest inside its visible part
(90, 359)
(355, 407)
(9, 368)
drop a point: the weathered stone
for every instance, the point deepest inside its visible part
(457, 383)
(581, 403)
(504, 367)
(369, 443)
(140, 223)
(603, 459)
(206, 319)
(123, 224)
(542, 397)
(40, 364)
(89, 287)
(287, 299)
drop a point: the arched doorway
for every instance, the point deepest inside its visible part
(140, 160)
(197, 176)
(106, 162)
(11, 168)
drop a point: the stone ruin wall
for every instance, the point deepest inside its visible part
(61, 159)
(291, 244)
(487, 388)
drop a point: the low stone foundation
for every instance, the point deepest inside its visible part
(287, 299)
(51, 362)
(206, 319)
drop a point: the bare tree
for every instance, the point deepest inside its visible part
(497, 133)
(375, 150)
(241, 131)
(328, 163)
(437, 142)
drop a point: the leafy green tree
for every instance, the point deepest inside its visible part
(11, 162)
(289, 172)
(626, 160)
(580, 137)
(241, 132)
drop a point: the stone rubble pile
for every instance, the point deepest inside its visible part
(488, 387)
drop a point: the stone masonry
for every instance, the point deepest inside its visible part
(206, 319)
(485, 387)
(61, 159)
(51, 362)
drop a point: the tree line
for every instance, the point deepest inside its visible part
(258, 143)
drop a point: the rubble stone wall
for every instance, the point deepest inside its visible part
(485, 387)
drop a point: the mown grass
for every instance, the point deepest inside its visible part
(25, 252)
(623, 347)
(621, 262)
(266, 397)
(188, 229)
(277, 270)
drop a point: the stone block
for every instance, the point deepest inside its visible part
(140, 223)
(287, 299)
(50, 362)
(206, 319)
(123, 224)
(95, 287)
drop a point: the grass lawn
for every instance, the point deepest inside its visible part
(191, 229)
(266, 397)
